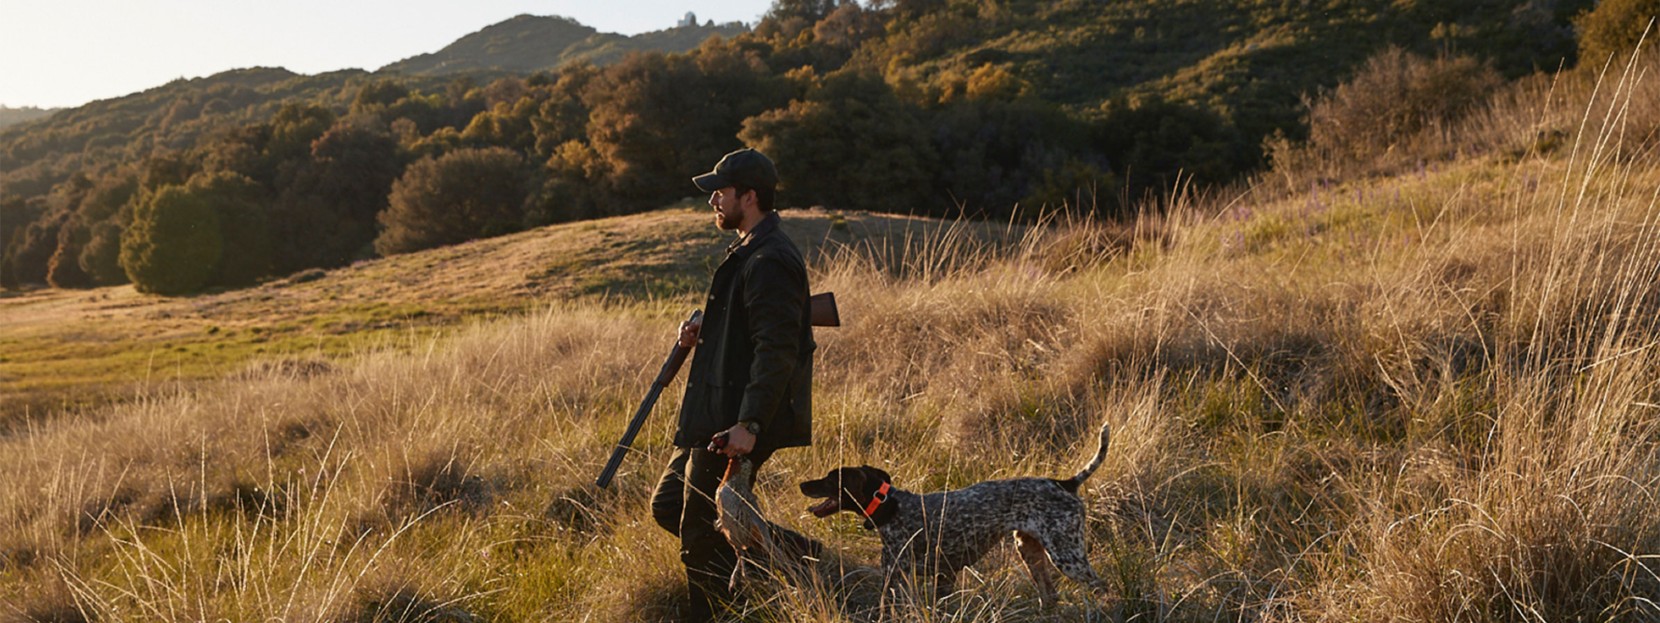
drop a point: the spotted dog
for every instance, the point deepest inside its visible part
(935, 535)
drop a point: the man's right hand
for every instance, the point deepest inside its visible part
(688, 333)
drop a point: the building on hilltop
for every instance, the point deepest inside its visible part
(689, 21)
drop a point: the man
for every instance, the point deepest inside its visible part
(751, 372)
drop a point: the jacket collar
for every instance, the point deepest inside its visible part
(743, 246)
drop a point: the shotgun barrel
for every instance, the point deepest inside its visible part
(671, 366)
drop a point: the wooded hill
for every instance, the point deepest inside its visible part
(12, 116)
(937, 107)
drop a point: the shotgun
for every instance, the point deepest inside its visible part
(821, 312)
(664, 375)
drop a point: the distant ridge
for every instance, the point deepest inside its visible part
(9, 115)
(528, 43)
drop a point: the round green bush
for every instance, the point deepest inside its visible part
(173, 245)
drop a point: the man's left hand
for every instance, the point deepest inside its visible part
(739, 441)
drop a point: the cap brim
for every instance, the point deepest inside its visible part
(711, 182)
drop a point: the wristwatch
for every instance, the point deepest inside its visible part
(752, 426)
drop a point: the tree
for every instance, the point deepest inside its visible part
(850, 144)
(1152, 141)
(64, 270)
(107, 210)
(376, 96)
(1613, 29)
(809, 10)
(658, 120)
(242, 210)
(295, 126)
(787, 18)
(29, 252)
(505, 125)
(16, 215)
(326, 216)
(570, 188)
(101, 257)
(174, 243)
(462, 195)
(563, 115)
(996, 154)
(210, 231)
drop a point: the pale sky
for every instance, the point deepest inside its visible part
(64, 53)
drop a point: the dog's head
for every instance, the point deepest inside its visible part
(844, 489)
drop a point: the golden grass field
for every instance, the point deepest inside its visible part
(1414, 389)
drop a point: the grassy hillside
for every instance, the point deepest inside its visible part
(1247, 61)
(73, 348)
(1397, 393)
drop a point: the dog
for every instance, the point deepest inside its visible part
(935, 535)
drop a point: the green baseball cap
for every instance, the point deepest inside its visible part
(746, 167)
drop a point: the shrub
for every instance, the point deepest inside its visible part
(997, 155)
(101, 257)
(1614, 28)
(173, 245)
(1394, 96)
(64, 270)
(28, 253)
(244, 226)
(460, 196)
(104, 211)
(326, 216)
(212, 230)
(1154, 143)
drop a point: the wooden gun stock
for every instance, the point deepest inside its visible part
(821, 310)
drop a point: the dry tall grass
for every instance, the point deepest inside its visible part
(1426, 397)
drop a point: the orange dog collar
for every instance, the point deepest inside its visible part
(877, 499)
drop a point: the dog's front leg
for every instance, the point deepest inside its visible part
(891, 602)
(945, 583)
(898, 573)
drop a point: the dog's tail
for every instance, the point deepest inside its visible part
(1072, 484)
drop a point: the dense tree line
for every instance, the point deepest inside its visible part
(893, 105)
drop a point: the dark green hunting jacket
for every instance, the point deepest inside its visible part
(754, 359)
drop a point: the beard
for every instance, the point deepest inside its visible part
(725, 222)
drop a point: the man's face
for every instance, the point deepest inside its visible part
(728, 204)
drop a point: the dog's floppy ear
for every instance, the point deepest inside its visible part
(875, 475)
(850, 478)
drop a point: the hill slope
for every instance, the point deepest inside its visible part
(979, 106)
(13, 116)
(527, 43)
(70, 348)
(1245, 60)
(1428, 395)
